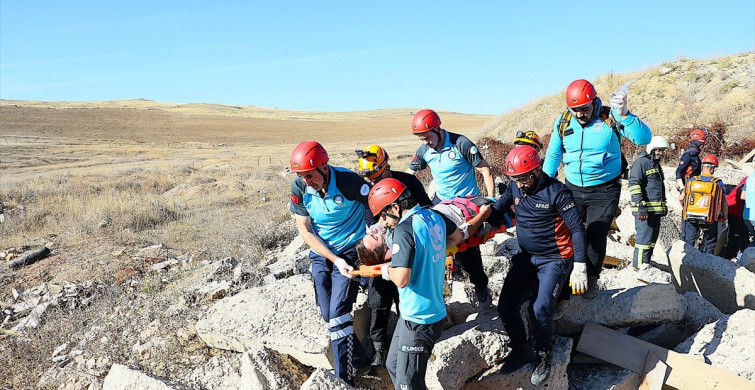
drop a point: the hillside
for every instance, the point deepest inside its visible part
(671, 96)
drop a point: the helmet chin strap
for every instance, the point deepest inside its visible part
(325, 180)
(393, 216)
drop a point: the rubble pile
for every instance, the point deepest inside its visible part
(264, 321)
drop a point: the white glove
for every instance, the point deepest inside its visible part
(384, 271)
(619, 102)
(343, 267)
(578, 279)
(724, 224)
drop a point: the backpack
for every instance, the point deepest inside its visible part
(605, 113)
(702, 201)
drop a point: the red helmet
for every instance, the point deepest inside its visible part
(522, 159)
(698, 135)
(385, 192)
(307, 156)
(425, 120)
(579, 93)
(710, 159)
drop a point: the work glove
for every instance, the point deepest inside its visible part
(642, 213)
(619, 102)
(376, 228)
(384, 272)
(578, 279)
(724, 224)
(343, 267)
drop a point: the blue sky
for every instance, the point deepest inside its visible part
(476, 57)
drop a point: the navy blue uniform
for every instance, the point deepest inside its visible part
(551, 235)
(339, 219)
(689, 163)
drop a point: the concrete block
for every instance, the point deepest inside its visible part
(323, 379)
(723, 283)
(636, 306)
(520, 379)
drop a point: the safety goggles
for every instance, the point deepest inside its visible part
(365, 153)
(522, 178)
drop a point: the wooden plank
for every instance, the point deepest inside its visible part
(735, 164)
(655, 373)
(748, 157)
(631, 353)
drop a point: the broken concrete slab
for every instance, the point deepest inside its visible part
(282, 316)
(287, 321)
(257, 369)
(323, 379)
(520, 379)
(699, 311)
(728, 343)
(651, 304)
(480, 343)
(723, 283)
(121, 377)
(602, 377)
(747, 259)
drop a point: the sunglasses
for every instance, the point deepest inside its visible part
(523, 178)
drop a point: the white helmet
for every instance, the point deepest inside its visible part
(657, 142)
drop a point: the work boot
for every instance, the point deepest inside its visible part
(543, 360)
(378, 360)
(520, 355)
(592, 287)
(561, 308)
(484, 300)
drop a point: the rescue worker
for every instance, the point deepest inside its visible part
(690, 230)
(689, 163)
(648, 199)
(330, 209)
(453, 160)
(587, 138)
(373, 166)
(528, 138)
(739, 235)
(552, 240)
(417, 267)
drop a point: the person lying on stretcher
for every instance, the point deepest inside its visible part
(468, 214)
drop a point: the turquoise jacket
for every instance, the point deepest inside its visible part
(749, 211)
(592, 154)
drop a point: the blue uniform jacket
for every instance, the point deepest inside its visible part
(340, 218)
(453, 168)
(548, 225)
(592, 154)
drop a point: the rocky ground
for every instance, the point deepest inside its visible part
(233, 325)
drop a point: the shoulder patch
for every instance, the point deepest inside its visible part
(294, 199)
(365, 190)
(473, 150)
(395, 249)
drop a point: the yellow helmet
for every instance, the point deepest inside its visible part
(528, 138)
(372, 161)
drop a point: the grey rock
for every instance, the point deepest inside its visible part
(323, 379)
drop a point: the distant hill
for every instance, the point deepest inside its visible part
(674, 95)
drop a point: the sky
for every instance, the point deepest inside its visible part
(482, 57)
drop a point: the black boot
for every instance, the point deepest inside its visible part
(378, 360)
(520, 355)
(543, 361)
